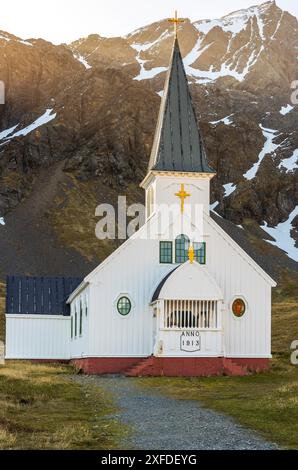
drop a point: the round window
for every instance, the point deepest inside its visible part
(239, 308)
(124, 306)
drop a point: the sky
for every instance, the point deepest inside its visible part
(67, 20)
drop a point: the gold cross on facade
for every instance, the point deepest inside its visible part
(182, 196)
(191, 254)
(176, 21)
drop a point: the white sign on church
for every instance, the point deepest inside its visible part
(190, 341)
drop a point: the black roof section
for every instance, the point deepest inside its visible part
(178, 144)
(161, 284)
(39, 295)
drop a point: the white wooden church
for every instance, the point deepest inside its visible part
(185, 300)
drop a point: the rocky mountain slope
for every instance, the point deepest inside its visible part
(84, 114)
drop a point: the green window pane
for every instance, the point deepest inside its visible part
(200, 252)
(71, 327)
(181, 248)
(76, 328)
(124, 306)
(166, 252)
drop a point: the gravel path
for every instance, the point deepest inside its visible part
(159, 422)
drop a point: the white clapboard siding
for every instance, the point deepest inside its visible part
(80, 343)
(37, 337)
(134, 271)
(249, 336)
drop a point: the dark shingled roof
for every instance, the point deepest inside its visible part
(178, 143)
(39, 295)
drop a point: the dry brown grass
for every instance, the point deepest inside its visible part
(42, 408)
(285, 313)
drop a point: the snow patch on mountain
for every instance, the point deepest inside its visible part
(146, 74)
(282, 235)
(83, 61)
(229, 189)
(44, 119)
(290, 163)
(268, 148)
(20, 41)
(194, 54)
(227, 121)
(214, 206)
(286, 109)
(278, 25)
(2, 221)
(7, 132)
(235, 22)
(226, 70)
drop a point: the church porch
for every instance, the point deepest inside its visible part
(188, 328)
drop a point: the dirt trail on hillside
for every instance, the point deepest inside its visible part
(28, 242)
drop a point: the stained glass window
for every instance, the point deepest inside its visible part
(239, 308)
(166, 252)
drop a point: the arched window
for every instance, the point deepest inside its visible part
(182, 244)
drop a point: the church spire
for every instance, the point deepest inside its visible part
(177, 143)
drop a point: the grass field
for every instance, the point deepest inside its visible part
(41, 408)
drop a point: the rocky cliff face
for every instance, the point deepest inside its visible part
(90, 107)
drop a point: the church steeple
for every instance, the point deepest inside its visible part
(177, 143)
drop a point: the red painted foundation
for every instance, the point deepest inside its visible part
(253, 364)
(105, 365)
(171, 366)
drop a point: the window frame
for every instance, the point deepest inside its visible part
(233, 299)
(119, 298)
(160, 251)
(205, 252)
(186, 239)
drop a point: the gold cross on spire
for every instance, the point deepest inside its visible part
(182, 196)
(176, 21)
